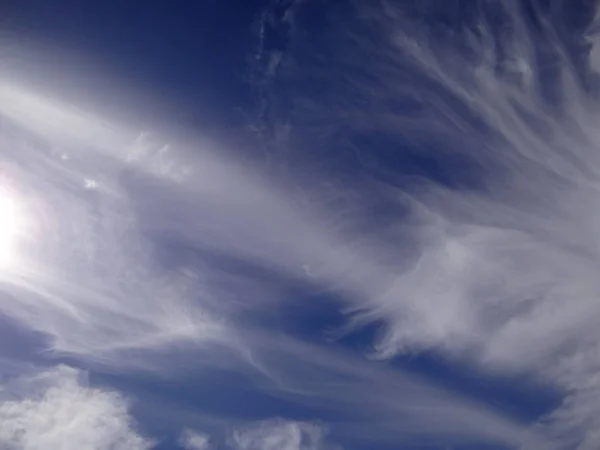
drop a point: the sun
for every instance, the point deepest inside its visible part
(9, 226)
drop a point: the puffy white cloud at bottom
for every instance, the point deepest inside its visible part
(279, 435)
(192, 440)
(57, 410)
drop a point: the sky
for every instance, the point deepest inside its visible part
(299, 225)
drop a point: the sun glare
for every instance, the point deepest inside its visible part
(9, 226)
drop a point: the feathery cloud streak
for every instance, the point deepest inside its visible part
(504, 94)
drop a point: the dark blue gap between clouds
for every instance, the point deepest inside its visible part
(185, 53)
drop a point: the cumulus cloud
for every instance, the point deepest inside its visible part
(193, 440)
(56, 409)
(279, 435)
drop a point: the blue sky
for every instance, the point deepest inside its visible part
(299, 225)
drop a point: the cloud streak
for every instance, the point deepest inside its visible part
(505, 275)
(98, 291)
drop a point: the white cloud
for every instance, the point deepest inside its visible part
(374, 402)
(56, 410)
(506, 273)
(505, 277)
(279, 435)
(193, 440)
(94, 288)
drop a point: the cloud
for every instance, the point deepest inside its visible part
(100, 287)
(369, 401)
(503, 276)
(94, 288)
(269, 434)
(192, 440)
(55, 409)
(506, 226)
(101, 291)
(279, 435)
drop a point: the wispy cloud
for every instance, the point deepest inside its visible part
(108, 292)
(93, 287)
(55, 409)
(100, 291)
(372, 402)
(505, 275)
